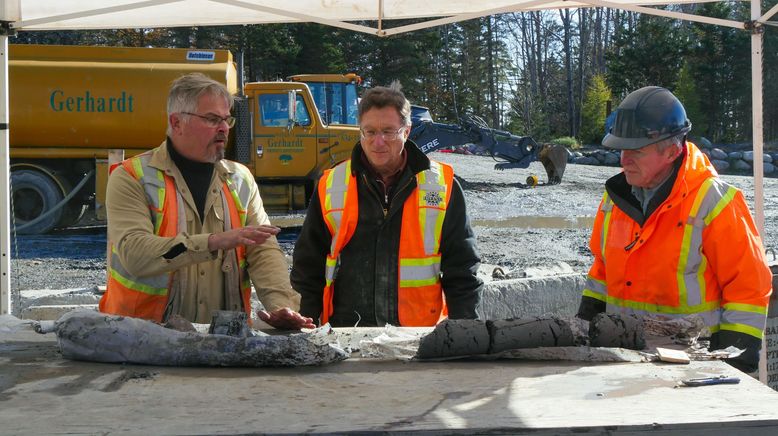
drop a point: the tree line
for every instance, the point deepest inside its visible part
(547, 74)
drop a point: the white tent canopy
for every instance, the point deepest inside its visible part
(21, 15)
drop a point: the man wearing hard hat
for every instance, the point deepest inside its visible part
(672, 239)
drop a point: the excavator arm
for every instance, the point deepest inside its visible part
(509, 150)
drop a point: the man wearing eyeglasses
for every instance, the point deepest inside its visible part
(386, 239)
(671, 239)
(187, 228)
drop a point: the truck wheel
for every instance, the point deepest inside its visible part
(33, 194)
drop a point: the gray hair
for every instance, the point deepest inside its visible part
(678, 141)
(387, 96)
(186, 91)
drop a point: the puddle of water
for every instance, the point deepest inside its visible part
(534, 222)
(287, 221)
(540, 222)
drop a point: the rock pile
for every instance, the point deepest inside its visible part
(726, 160)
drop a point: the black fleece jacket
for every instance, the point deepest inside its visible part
(366, 285)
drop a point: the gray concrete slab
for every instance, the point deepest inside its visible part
(42, 393)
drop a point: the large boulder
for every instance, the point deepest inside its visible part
(741, 165)
(586, 160)
(612, 159)
(719, 154)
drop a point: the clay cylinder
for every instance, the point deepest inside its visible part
(455, 337)
(613, 330)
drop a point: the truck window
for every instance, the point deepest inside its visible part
(274, 111)
(336, 102)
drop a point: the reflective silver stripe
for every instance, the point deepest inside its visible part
(711, 317)
(333, 204)
(241, 183)
(432, 205)
(595, 285)
(711, 196)
(329, 273)
(419, 272)
(752, 319)
(158, 281)
(335, 199)
(606, 208)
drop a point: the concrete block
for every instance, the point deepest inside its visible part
(527, 297)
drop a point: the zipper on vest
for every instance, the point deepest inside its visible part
(632, 244)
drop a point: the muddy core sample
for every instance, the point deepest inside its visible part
(613, 330)
(464, 337)
(468, 337)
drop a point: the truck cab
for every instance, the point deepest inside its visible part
(300, 128)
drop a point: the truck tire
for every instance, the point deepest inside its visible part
(33, 193)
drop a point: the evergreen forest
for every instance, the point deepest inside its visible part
(548, 74)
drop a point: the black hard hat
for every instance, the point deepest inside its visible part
(647, 116)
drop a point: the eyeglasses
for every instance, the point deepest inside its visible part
(387, 135)
(214, 120)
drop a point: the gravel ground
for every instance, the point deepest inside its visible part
(517, 227)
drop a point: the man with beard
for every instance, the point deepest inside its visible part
(186, 228)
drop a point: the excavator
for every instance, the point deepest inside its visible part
(509, 150)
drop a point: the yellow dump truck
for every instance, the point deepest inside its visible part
(70, 106)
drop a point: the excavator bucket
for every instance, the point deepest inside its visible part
(554, 160)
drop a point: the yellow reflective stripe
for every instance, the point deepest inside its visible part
(725, 200)
(329, 269)
(328, 192)
(606, 222)
(742, 307)
(438, 231)
(423, 261)
(417, 283)
(431, 236)
(138, 167)
(700, 196)
(742, 328)
(593, 294)
(238, 204)
(656, 308)
(158, 212)
(683, 258)
(701, 277)
(140, 287)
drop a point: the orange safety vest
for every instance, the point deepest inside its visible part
(420, 295)
(678, 263)
(147, 297)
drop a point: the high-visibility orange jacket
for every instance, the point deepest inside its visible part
(697, 252)
(420, 297)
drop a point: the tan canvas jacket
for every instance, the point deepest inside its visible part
(141, 252)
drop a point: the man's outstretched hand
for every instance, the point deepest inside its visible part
(286, 319)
